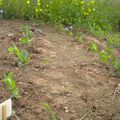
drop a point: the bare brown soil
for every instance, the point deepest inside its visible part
(62, 73)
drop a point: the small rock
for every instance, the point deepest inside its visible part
(10, 34)
(66, 109)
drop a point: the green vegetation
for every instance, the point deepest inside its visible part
(11, 85)
(114, 40)
(101, 18)
(47, 107)
(27, 38)
(108, 58)
(23, 57)
(96, 16)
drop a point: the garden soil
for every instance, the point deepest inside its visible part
(61, 72)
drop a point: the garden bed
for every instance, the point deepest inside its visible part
(61, 73)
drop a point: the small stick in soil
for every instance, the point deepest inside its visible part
(117, 90)
(15, 115)
(84, 116)
(96, 115)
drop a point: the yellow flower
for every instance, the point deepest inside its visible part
(82, 2)
(89, 10)
(39, 4)
(0, 2)
(28, 2)
(85, 13)
(88, 4)
(47, 5)
(36, 10)
(93, 2)
(40, 10)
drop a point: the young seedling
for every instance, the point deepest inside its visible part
(27, 31)
(47, 107)
(23, 57)
(27, 39)
(11, 85)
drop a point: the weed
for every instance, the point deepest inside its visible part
(45, 61)
(47, 107)
(11, 85)
(114, 40)
(23, 57)
(94, 47)
(79, 37)
(108, 58)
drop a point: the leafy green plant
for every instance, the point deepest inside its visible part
(97, 30)
(114, 40)
(79, 37)
(47, 107)
(104, 57)
(94, 47)
(25, 41)
(11, 85)
(27, 31)
(108, 58)
(23, 57)
(27, 38)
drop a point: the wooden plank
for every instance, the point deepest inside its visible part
(5, 109)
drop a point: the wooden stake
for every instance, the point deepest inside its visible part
(4, 114)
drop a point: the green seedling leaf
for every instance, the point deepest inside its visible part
(25, 41)
(94, 47)
(104, 57)
(11, 85)
(47, 107)
(23, 56)
(11, 50)
(117, 64)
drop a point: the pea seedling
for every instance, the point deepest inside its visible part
(22, 56)
(27, 39)
(11, 85)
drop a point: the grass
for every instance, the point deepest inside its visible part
(48, 108)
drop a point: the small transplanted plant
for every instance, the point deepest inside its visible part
(108, 58)
(23, 57)
(48, 108)
(11, 85)
(27, 38)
